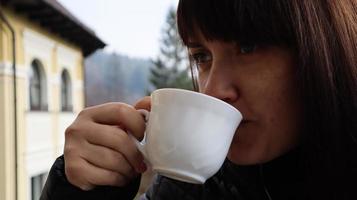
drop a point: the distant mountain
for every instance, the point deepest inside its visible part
(111, 77)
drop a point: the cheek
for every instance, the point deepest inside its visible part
(275, 108)
(273, 133)
(202, 80)
(282, 116)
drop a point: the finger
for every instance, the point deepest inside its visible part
(100, 176)
(144, 103)
(116, 139)
(75, 173)
(108, 159)
(119, 114)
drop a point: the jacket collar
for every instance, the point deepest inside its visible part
(281, 178)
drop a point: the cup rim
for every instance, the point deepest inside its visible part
(197, 93)
(180, 174)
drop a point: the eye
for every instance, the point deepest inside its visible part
(201, 57)
(201, 60)
(247, 48)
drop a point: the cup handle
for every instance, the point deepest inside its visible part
(142, 144)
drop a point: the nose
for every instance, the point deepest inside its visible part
(220, 84)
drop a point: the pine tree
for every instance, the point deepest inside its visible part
(171, 65)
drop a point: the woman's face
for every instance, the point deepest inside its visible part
(260, 83)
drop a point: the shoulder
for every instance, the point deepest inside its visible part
(166, 188)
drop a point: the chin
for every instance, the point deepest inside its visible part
(256, 153)
(242, 152)
(238, 157)
(252, 145)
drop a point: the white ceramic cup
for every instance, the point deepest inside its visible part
(188, 134)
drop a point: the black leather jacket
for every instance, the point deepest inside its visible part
(273, 181)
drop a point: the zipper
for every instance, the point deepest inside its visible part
(266, 191)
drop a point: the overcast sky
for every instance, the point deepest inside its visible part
(129, 27)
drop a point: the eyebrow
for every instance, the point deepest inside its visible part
(193, 45)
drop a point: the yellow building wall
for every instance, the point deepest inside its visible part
(7, 166)
(7, 163)
(1, 41)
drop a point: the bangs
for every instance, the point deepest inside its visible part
(261, 22)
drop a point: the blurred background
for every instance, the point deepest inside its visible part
(60, 56)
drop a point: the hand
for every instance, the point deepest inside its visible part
(98, 150)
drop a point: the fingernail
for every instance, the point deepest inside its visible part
(87, 187)
(142, 167)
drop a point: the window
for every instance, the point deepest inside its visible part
(38, 89)
(37, 184)
(66, 91)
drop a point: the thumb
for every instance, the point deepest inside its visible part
(144, 103)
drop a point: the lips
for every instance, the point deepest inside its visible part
(243, 122)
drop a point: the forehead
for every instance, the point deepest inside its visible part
(195, 36)
(197, 39)
(258, 22)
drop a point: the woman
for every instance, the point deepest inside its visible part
(288, 65)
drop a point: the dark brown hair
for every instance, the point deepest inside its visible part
(323, 35)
